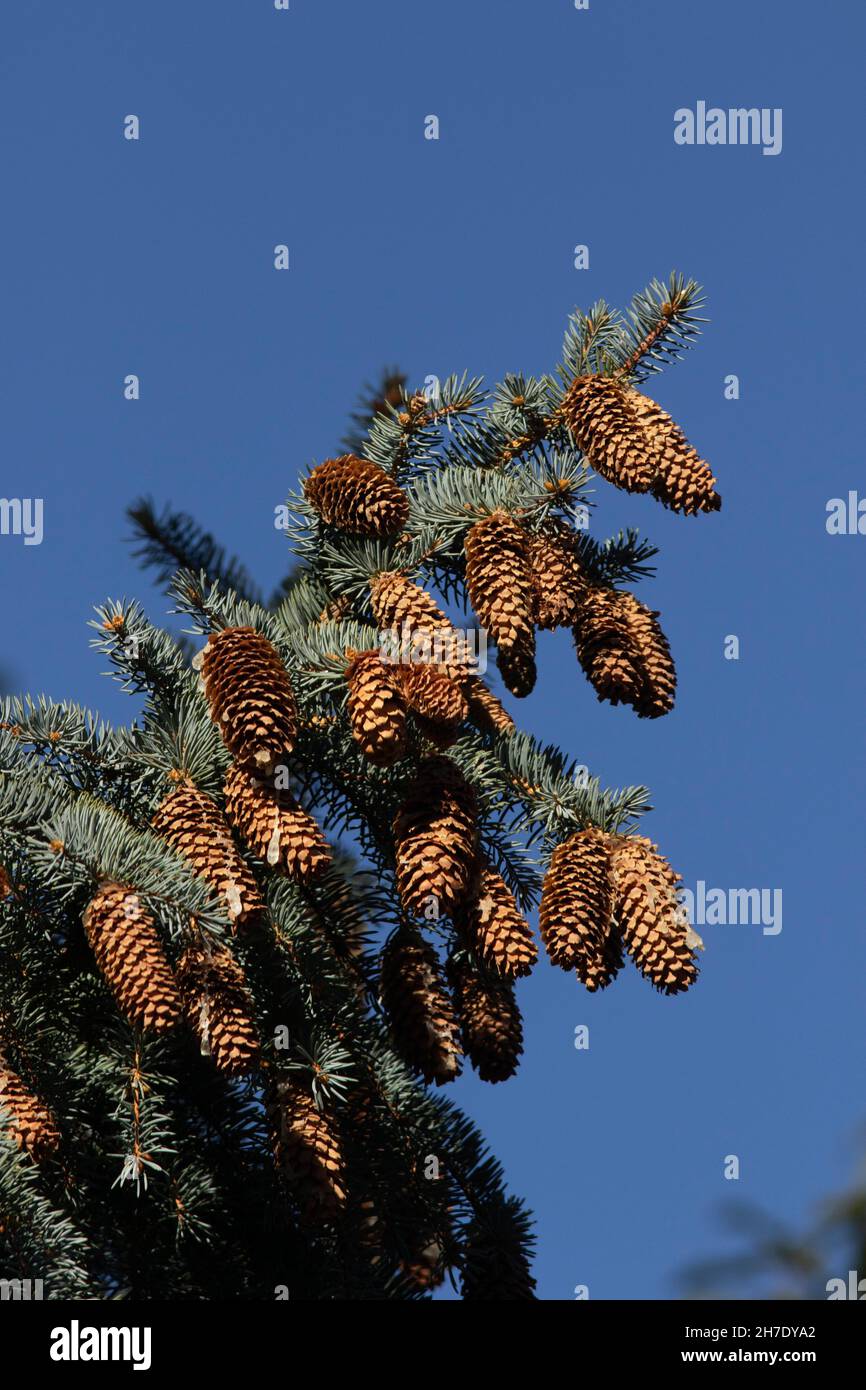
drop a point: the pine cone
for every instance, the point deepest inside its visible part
(632, 442)
(649, 914)
(606, 648)
(558, 582)
(218, 1007)
(683, 481)
(485, 709)
(435, 834)
(499, 583)
(6, 888)
(517, 667)
(575, 916)
(430, 691)
(357, 496)
(308, 1152)
(419, 1009)
(193, 824)
(491, 1027)
(416, 625)
(275, 827)
(29, 1123)
(495, 930)
(130, 954)
(377, 713)
(600, 414)
(250, 697)
(658, 686)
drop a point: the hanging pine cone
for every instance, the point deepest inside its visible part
(485, 710)
(493, 927)
(416, 626)
(308, 1152)
(631, 441)
(575, 916)
(683, 480)
(6, 888)
(606, 648)
(435, 835)
(275, 827)
(659, 676)
(357, 496)
(194, 825)
(28, 1122)
(218, 1007)
(491, 1028)
(499, 583)
(430, 691)
(419, 1009)
(517, 667)
(130, 954)
(600, 414)
(495, 1266)
(649, 915)
(250, 697)
(377, 712)
(558, 581)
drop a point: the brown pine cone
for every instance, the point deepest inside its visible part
(649, 916)
(499, 583)
(517, 667)
(575, 916)
(357, 496)
(416, 626)
(130, 954)
(606, 648)
(275, 826)
(683, 481)
(659, 684)
(600, 413)
(628, 439)
(435, 836)
(308, 1152)
(250, 697)
(494, 928)
(558, 582)
(193, 824)
(485, 709)
(419, 1008)
(491, 1027)
(430, 691)
(377, 712)
(218, 1007)
(29, 1123)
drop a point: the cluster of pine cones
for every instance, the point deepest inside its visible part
(603, 896)
(519, 580)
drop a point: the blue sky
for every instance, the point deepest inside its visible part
(305, 127)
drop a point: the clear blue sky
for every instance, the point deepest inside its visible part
(306, 127)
